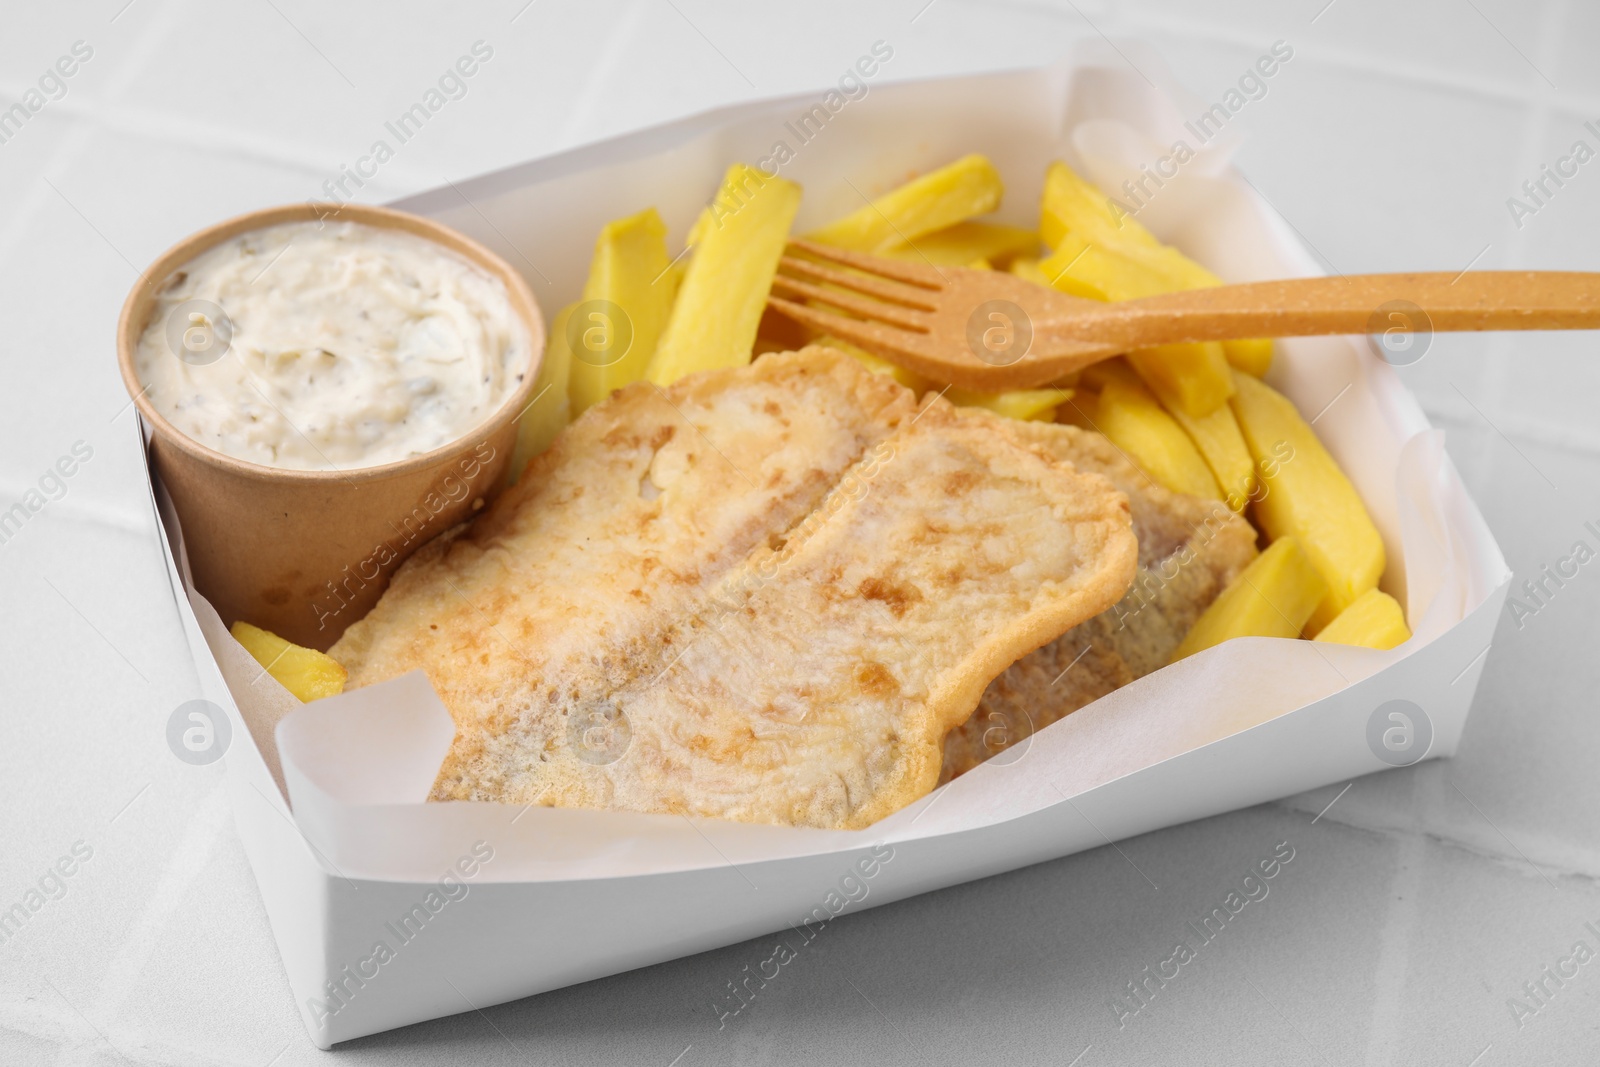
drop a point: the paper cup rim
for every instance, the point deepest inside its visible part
(142, 297)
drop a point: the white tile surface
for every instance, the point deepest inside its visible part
(1417, 904)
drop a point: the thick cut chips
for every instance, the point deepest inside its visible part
(763, 594)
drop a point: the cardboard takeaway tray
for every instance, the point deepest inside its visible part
(389, 911)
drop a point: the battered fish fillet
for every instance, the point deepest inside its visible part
(1189, 550)
(762, 594)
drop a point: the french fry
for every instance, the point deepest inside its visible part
(1098, 243)
(966, 242)
(740, 239)
(1308, 497)
(1072, 203)
(954, 193)
(877, 364)
(1071, 206)
(1221, 443)
(1069, 203)
(1108, 269)
(632, 270)
(1060, 280)
(1196, 376)
(1272, 597)
(1373, 620)
(1037, 405)
(548, 413)
(305, 672)
(1253, 356)
(1134, 420)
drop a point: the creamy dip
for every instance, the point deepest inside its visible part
(313, 346)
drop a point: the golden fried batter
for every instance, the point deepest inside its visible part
(763, 594)
(1189, 550)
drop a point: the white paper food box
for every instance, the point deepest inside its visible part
(390, 911)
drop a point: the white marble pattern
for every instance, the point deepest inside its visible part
(1419, 901)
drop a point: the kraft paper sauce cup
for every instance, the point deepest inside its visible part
(306, 553)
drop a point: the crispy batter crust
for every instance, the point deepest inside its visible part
(763, 594)
(1189, 550)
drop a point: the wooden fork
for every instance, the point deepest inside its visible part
(990, 330)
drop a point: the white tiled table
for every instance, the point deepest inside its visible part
(1419, 902)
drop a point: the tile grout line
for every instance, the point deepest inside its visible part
(125, 69)
(1445, 836)
(1501, 91)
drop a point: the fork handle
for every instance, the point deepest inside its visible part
(1304, 307)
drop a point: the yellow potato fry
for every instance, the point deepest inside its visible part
(1253, 356)
(877, 364)
(548, 413)
(1027, 404)
(1373, 620)
(1221, 443)
(1133, 419)
(632, 271)
(965, 242)
(1107, 270)
(724, 291)
(1074, 214)
(305, 672)
(1272, 597)
(1082, 267)
(954, 193)
(1305, 495)
(1062, 277)
(1069, 203)
(1196, 376)
(1072, 206)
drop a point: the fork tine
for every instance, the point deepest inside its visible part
(926, 277)
(875, 337)
(872, 284)
(877, 310)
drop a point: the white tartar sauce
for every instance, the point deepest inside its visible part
(312, 346)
